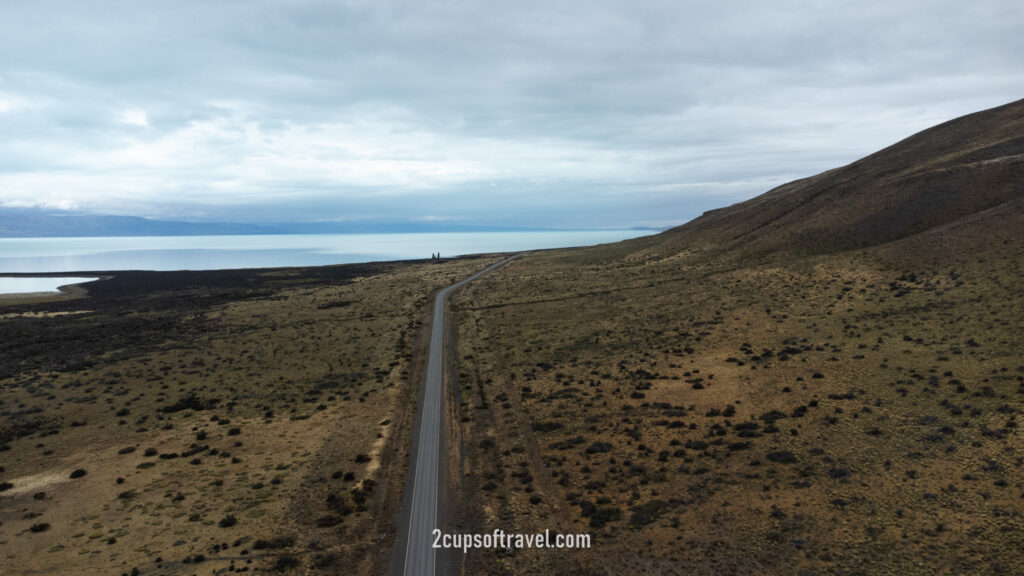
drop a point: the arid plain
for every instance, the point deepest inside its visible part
(200, 423)
(825, 379)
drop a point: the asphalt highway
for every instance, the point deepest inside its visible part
(415, 542)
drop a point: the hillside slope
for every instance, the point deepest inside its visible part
(935, 177)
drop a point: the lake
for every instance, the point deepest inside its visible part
(41, 284)
(271, 251)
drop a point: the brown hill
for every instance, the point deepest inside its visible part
(936, 177)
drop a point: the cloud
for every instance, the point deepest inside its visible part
(133, 116)
(589, 113)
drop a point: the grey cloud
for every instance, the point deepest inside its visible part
(593, 112)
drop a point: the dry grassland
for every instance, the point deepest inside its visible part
(840, 414)
(236, 422)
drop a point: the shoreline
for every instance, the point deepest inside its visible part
(42, 256)
(133, 280)
(118, 284)
(63, 292)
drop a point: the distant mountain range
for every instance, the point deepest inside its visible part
(29, 223)
(35, 223)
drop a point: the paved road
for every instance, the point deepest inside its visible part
(416, 538)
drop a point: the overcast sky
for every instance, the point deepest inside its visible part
(574, 113)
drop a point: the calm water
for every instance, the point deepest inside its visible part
(23, 285)
(218, 252)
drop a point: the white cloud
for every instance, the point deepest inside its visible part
(134, 116)
(48, 203)
(12, 102)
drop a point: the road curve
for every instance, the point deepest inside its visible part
(415, 538)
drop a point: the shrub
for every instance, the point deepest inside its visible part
(781, 457)
(326, 560)
(328, 521)
(548, 426)
(227, 521)
(190, 402)
(646, 513)
(77, 473)
(285, 562)
(602, 516)
(839, 473)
